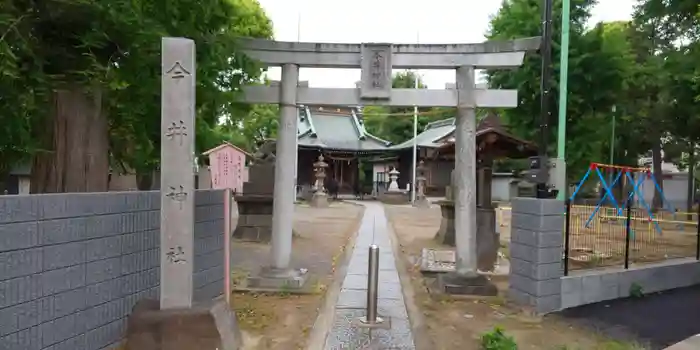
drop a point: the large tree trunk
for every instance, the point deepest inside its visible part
(144, 181)
(76, 143)
(656, 160)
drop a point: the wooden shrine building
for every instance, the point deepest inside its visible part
(339, 135)
(436, 147)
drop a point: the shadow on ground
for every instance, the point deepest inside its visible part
(657, 320)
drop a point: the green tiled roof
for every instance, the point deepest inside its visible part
(330, 130)
(436, 133)
(433, 132)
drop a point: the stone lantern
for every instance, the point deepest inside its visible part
(319, 198)
(421, 199)
(393, 177)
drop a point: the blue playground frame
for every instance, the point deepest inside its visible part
(627, 171)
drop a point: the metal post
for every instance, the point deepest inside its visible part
(415, 136)
(372, 284)
(563, 85)
(628, 233)
(567, 235)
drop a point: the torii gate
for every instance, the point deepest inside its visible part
(376, 61)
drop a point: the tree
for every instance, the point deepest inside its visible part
(93, 68)
(595, 78)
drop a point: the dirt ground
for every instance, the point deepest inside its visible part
(458, 323)
(282, 321)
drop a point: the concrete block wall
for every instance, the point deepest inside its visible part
(208, 266)
(73, 265)
(536, 246)
(586, 287)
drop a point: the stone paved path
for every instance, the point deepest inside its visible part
(352, 300)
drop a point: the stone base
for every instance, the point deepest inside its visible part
(254, 218)
(422, 203)
(394, 197)
(453, 283)
(487, 240)
(206, 326)
(278, 280)
(380, 323)
(319, 200)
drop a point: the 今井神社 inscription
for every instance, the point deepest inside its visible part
(177, 130)
(177, 71)
(376, 71)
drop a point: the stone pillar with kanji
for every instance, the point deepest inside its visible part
(319, 198)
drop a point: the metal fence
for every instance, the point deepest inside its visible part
(609, 236)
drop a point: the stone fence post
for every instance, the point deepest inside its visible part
(536, 243)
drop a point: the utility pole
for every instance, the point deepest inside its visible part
(415, 135)
(563, 91)
(542, 188)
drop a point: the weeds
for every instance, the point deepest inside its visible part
(497, 339)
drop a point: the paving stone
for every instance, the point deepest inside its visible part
(394, 308)
(352, 300)
(389, 290)
(355, 282)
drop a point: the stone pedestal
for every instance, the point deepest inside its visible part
(278, 279)
(487, 242)
(319, 200)
(255, 204)
(206, 326)
(453, 283)
(254, 218)
(394, 197)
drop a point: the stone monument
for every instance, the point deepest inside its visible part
(256, 202)
(319, 198)
(394, 194)
(167, 324)
(421, 200)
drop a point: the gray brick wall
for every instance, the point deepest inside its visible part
(208, 267)
(73, 265)
(536, 245)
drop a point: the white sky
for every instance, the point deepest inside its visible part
(395, 21)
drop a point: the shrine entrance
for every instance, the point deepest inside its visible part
(376, 62)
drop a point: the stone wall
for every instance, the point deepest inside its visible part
(586, 287)
(536, 246)
(73, 265)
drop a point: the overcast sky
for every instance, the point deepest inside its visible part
(395, 21)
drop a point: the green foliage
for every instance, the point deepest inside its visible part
(595, 77)
(115, 46)
(497, 339)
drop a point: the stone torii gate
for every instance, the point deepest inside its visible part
(376, 60)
